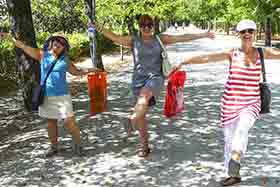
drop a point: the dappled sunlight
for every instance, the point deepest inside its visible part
(187, 150)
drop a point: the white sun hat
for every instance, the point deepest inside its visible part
(246, 24)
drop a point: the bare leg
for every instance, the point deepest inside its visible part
(139, 121)
(73, 129)
(52, 133)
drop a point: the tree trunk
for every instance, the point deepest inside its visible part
(268, 32)
(22, 28)
(121, 47)
(227, 28)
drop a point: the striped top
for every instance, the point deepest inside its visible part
(242, 92)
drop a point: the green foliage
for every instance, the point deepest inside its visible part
(79, 43)
(54, 16)
(7, 63)
(70, 15)
(7, 53)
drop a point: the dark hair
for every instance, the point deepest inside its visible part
(60, 39)
(145, 18)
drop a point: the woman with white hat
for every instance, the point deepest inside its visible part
(240, 104)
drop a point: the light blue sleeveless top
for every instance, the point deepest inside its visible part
(147, 61)
(56, 84)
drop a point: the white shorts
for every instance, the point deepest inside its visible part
(56, 107)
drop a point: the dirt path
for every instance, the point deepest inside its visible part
(186, 152)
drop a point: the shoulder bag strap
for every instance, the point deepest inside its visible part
(160, 42)
(50, 70)
(260, 50)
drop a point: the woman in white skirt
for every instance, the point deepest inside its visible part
(57, 103)
(240, 104)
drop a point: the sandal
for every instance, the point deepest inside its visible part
(231, 181)
(143, 151)
(77, 149)
(51, 151)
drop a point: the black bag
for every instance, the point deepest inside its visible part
(38, 97)
(265, 92)
(39, 91)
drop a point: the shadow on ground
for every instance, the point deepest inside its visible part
(186, 151)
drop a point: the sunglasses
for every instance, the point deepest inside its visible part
(149, 25)
(250, 31)
(58, 44)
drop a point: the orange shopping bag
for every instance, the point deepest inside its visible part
(97, 91)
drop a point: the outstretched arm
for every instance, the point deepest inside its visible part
(35, 53)
(206, 58)
(32, 52)
(118, 39)
(171, 39)
(74, 70)
(272, 53)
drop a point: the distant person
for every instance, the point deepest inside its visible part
(57, 103)
(147, 78)
(240, 104)
(183, 25)
(176, 26)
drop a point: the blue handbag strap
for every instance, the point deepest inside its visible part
(260, 50)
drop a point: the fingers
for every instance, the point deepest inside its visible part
(176, 68)
(211, 35)
(14, 40)
(94, 70)
(18, 43)
(91, 24)
(4, 35)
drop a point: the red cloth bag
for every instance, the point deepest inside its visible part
(174, 99)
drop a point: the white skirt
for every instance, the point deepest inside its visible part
(56, 107)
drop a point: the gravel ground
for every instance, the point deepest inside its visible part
(186, 151)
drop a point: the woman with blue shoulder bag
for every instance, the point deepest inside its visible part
(57, 102)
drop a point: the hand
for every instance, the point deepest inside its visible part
(94, 70)
(4, 35)
(210, 35)
(95, 25)
(19, 44)
(91, 24)
(176, 68)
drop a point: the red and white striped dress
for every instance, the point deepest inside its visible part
(242, 92)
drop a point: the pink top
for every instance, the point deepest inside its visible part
(242, 92)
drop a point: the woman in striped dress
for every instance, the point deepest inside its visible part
(240, 104)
